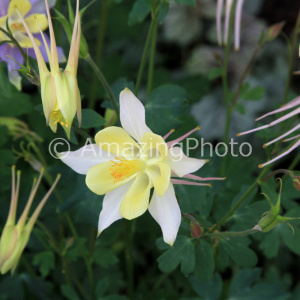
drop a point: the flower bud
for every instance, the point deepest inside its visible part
(296, 182)
(17, 129)
(271, 218)
(271, 33)
(59, 89)
(196, 229)
(14, 236)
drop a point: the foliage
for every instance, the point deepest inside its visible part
(64, 259)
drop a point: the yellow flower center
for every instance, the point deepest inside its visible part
(122, 168)
(17, 27)
(57, 117)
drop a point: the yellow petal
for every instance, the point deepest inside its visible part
(64, 92)
(48, 96)
(102, 178)
(23, 6)
(32, 20)
(160, 174)
(24, 40)
(154, 147)
(117, 141)
(136, 200)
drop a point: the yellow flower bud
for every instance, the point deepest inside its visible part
(15, 236)
(59, 89)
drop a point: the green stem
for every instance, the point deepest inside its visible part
(291, 60)
(68, 218)
(152, 58)
(128, 256)
(28, 266)
(244, 75)
(104, 83)
(231, 233)
(99, 48)
(82, 133)
(242, 199)
(67, 266)
(145, 52)
(15, 42)
(225, 87)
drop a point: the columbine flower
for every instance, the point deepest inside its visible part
(59, 89)
(237, 22)
(30, 10)
(14, 236)
(126, 163)
(292, 104)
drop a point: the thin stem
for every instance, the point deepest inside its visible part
(67, 266)
(291, 59)
(99, 48)
(104, 83)
(15, 42)
(152, 58)
(82, 133)
(157, 284)
(244, 75)
(128, 256)
(145, 52)
(225, 86)
(242, 199)
(279, 171)
(68, 218)
(231, 233)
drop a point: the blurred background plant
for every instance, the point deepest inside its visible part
(167, 52)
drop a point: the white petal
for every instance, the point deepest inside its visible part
(182, 164)
(166, 212)
(111, 206)
(132, 115)
(85, 158)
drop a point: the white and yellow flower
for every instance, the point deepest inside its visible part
(126, 163)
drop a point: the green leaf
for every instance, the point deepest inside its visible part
(243, 281)
(196, 86)
(292, 241)
(208, 290)
(214, 73)
(45, 261)
(205, 264)
(194, 199)
(239, 252)
(12, 102)
(270, 243)
(187, 2)
(243, 288)
(139, 11)
(105, 257)
(165, 106)
(163, 11)
(183, 252)
(102, 287)
(69, 292)
(255, 93)
(91, 119)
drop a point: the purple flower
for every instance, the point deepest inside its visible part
(31, 10)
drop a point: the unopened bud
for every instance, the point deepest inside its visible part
(271, 33)
(110, 117)
(296, 182)
(272, 218)
(196, 229)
